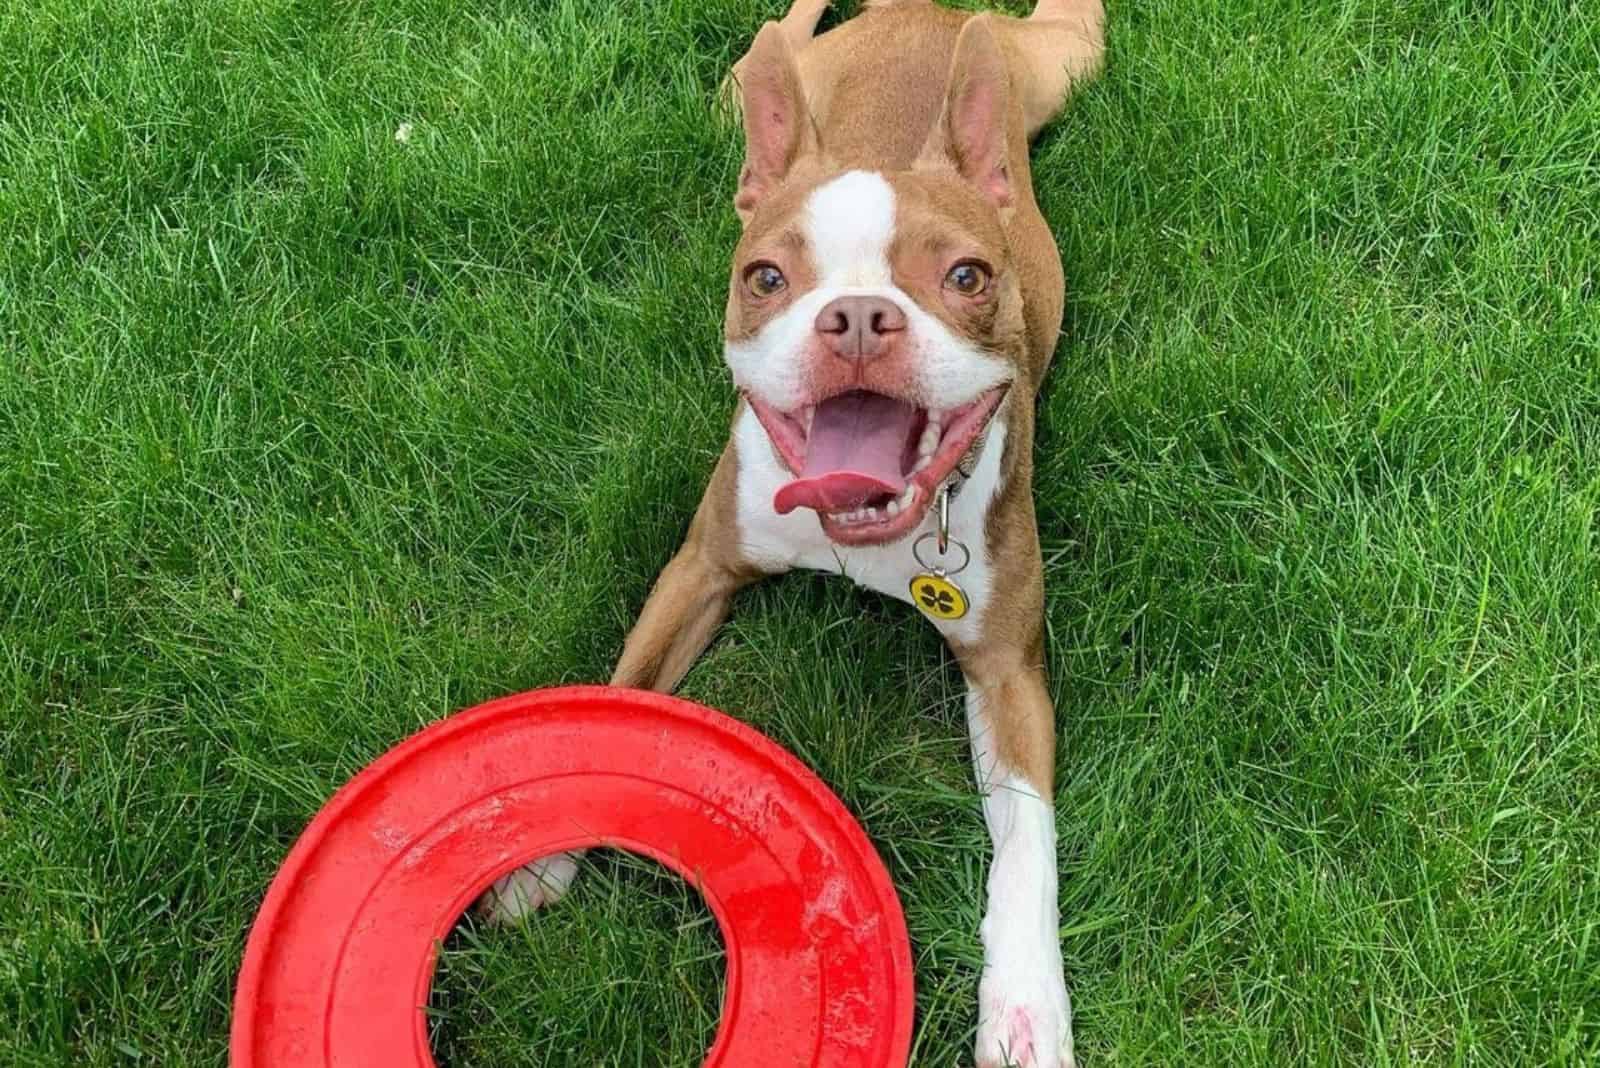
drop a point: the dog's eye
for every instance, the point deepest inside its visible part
(763, 279)
(969, 278)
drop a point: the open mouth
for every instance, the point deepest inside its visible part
(870, 464)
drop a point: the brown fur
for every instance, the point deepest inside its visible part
(904, 119)
(943, 104)
(692, 596)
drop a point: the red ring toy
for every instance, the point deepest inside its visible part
(340, 959)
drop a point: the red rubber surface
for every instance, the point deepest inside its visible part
(340, 959)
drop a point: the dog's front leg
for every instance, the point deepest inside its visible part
(1024, 1017)
(690, 600)
(692, 595)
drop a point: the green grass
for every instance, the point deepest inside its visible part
(309, 437)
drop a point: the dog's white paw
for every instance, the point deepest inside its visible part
(532, 886)
(1024, 1021)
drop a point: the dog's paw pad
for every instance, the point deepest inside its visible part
(532, 886)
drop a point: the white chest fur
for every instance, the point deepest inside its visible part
(778, 542)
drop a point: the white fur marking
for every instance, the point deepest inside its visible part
(848, 224)
(532, 886)
(778, 542)
(1022, 998)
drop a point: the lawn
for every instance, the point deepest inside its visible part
(360, 362)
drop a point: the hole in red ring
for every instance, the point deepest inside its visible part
(627, 968)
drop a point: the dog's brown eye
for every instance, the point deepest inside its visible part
(764, 279)
(969, 278)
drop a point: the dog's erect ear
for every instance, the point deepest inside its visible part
(777, 123)
(970, 133)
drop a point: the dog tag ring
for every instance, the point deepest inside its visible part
(932, 592)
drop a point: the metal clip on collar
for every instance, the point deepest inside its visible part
(944, 519)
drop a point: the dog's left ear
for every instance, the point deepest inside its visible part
(970, 133)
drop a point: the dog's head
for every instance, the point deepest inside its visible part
(874, 319)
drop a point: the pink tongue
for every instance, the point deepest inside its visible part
(853, 454)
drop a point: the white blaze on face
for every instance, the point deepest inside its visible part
(848, 225)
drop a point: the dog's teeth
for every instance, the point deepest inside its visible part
(906, 498)
(866, 514)
(808, 413)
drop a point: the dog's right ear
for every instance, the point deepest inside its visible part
(777, 123)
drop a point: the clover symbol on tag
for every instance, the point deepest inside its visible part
(938, 597)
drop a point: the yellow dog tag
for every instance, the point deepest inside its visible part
(931, 589)
(938, 597)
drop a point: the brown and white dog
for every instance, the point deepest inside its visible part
(894, 301)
